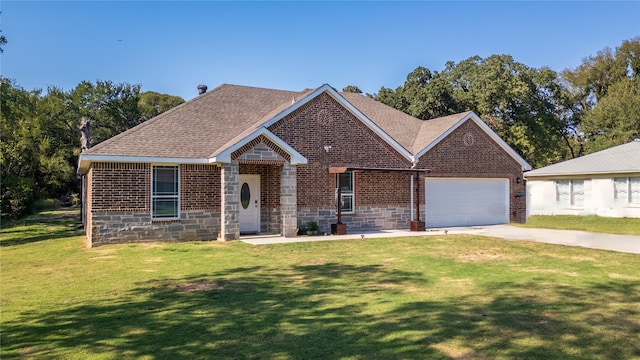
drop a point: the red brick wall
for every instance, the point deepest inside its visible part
(199, 187)
(323, 122)
(120, 186)
(476, 157)
(378, 188)
(123, 186)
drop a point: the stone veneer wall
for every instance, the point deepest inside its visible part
(111, 227)
(365, 218)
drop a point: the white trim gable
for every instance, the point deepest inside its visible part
(225, 155)
(357, 113)
(476, 119)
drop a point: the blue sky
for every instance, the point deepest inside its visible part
(171, 47)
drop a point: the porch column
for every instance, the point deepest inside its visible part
(289, 200)
(230, 204)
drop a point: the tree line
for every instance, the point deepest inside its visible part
(41, 139)
(544, 115)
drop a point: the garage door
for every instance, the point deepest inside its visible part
(466, 202)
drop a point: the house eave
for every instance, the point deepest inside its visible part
(600, 174)
(86, 160)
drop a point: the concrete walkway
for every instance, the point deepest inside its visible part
(620, 243)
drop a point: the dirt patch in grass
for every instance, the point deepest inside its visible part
(549, 271)
(479, 256)
(623, 276)
(318, 261)
(106, 257)
(457, 353)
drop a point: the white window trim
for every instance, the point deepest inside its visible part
(572, 193)
(352, 194)
(627, 185)
(165, 196)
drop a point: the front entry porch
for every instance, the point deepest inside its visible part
(258, 197)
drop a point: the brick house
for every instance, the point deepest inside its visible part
(240, 159)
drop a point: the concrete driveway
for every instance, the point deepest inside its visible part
(620, 243)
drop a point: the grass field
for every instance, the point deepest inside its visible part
(599, 224)
(436, 297)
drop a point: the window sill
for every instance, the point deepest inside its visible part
(165, 221)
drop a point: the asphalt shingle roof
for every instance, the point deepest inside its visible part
(199, 127)
(618, 159)
(412, 133)
(216, 120)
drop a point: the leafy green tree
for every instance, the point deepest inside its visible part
(151, 104)
(516, 101)
(592, 79)
(19, 148)
(615, 120)
(603, 90)
(40, 135)
(112, 108)
(352, 89)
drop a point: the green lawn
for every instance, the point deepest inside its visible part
(435, 297)
(599, 224)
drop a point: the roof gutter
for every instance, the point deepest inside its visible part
(85, 160)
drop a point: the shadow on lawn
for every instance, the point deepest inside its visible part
(62, 224)
(266, 313)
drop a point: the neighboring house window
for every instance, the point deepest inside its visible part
(346, 192)
(165, 193)
(627, 190)
(570, 192)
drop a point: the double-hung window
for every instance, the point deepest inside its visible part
(346, 201)
(627, 190)
(165, 195)
(570, 193)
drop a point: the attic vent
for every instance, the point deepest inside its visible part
(202, 89)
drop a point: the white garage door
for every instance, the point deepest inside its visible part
(466, 202)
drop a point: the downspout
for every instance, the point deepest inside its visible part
(417, 197)
(339, 202)
(411, 194)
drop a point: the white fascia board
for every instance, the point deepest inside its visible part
(340, 99)
(85, 160)
(225, 155)
(525, 165)
(581, 175)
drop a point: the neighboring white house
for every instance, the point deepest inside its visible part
(605, 183)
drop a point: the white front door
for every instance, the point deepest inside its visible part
(249, 204)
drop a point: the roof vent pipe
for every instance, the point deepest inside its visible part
(202, 89)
